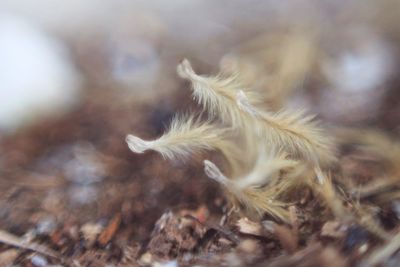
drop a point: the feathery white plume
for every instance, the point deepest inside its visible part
(297, 134)
(217, 94)
(187, 136)
(259, 189)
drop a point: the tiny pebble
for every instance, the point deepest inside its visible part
(46, 226)
(39, 261)
(166, 264)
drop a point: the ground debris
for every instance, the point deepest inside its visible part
(174, 235)
(15, 241)
(334, 229)
(245, 226)
(313, 255)
(90, 231)
(86, 201)
(8, 256)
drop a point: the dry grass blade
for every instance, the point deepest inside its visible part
(370, 223)
(376, 143)
(327, 191)
(275, 64)
(383, 253)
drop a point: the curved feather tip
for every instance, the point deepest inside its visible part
(213, 172)
(185, 70)
(136, 144)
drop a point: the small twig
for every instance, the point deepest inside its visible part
(385, 252)
(227, 215)
(18, 242)
(226, 232)
(374, 189)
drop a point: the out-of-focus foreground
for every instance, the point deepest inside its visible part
(77, 77)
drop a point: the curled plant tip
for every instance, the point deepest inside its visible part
(136, 144)
(185, 70)
(216, 94)
(325, 188)
(187, 136)
(213, 172)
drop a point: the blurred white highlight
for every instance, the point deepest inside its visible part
(37, 79)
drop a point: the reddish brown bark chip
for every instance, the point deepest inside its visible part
(108, 233)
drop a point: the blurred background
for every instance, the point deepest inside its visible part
(320, 53)
(77, 76)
